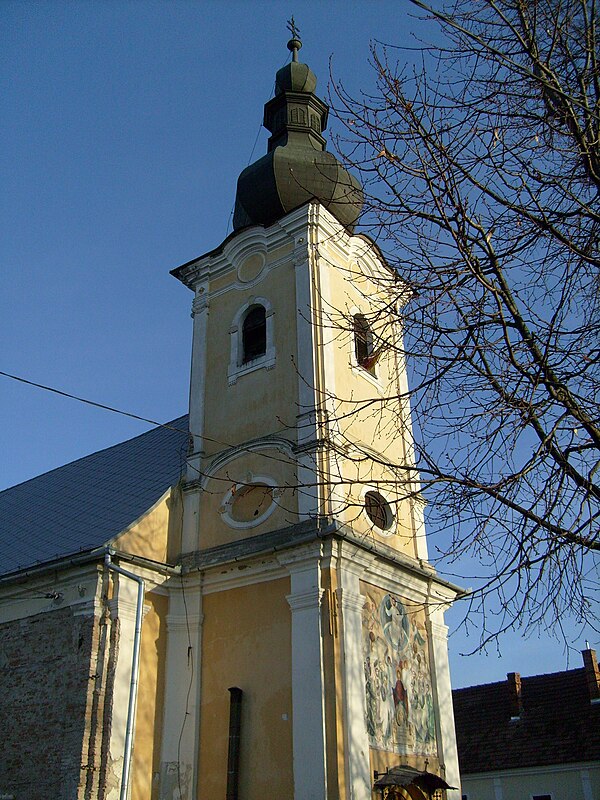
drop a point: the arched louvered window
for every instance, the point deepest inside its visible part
(252, 339)
(254, 334)
(363, 344)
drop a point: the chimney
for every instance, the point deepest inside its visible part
(592, 674)
(515, 702)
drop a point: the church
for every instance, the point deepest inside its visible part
(239, 603)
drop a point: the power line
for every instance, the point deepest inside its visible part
(131, 415)
(89, 402)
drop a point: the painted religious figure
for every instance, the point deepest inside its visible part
(399, 696)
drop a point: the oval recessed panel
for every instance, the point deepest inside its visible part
(251, 268)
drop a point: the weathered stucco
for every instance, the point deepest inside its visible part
(246, 641)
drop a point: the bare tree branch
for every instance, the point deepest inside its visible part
(481, 166)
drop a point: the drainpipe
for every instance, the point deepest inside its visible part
(233, 756)
(135, 668)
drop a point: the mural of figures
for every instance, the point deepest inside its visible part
(399, 696)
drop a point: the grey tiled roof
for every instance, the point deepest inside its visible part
(558, 724)
(81, 506)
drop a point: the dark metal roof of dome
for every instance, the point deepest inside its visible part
(296, 168)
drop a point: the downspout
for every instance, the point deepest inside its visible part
(233, 755)
(135, 668)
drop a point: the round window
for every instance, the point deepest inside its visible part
(249, 503)
(378, 510)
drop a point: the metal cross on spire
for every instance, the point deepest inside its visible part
(295, 43)
(292, 28)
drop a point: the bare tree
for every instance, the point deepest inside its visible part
(481, 167)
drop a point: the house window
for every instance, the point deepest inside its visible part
(541, 797)
(254, 334)
(363, 344)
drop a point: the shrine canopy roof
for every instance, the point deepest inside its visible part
(404, 776)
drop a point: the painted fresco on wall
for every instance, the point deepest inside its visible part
(399, 711)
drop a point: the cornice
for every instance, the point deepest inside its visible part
(226, 257)
(372, 561)
(301, 601)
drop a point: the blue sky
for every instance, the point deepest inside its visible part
(124, 126)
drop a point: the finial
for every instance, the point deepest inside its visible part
(294, 43)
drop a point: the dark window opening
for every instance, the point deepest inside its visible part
(254, 334)
(541, 797)
(378, 510)
(363, 344)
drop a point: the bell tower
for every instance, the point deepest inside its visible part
(304, 554)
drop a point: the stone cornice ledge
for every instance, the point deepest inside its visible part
(353, 546)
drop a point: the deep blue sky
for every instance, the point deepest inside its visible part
(124, 126)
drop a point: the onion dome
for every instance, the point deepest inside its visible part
(296, 168)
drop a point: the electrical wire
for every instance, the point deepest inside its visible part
(89, 402)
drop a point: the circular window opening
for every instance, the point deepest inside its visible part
(378, 510)
(249, 503)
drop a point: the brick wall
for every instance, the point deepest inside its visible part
(47, 682)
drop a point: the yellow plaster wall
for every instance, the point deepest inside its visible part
(246, 642)
(349, 289)
(149, 716)
(359, 474)
(148, 537)
(280, 252)
(261, 402)
(365, 414)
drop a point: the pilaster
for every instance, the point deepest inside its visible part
(309, 757)
(198, 377)
(442, 697)
(181, 720)
(307, 421)
(351, 602)
(122, 607)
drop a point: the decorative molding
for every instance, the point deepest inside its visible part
(250, 268)
(86, 608)
(438, 630)
(251, 446)
(301, 558)
(351, 601)
(240, 286)
(303, 600)
(199, 304)
(177, 622)
(239, 576)
(121, 608)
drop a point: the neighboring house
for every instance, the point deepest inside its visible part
(240, 601)
(534, 738)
